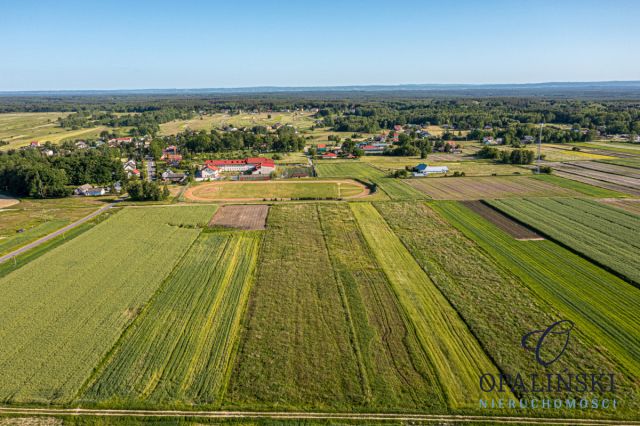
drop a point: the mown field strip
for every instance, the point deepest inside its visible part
(297, 349)
(398, 372)
(394, 188)
(608, 236)
(61, 313)
(601, 305)
(178, 352)
(482, 291)
(458, 358)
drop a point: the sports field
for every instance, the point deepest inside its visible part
(252, 191)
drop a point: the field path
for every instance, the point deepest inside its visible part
(284, 415)
(60, 231)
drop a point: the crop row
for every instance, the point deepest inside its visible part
(396, 371)
(296, 351)
(454, 352)
(61, 313)
(496, 304)
(609, 236)
(179, 350)
(602, 306)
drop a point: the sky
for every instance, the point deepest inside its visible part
(137, 44)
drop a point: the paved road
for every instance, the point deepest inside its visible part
(430, 418)
(151, 169)
(53, 234)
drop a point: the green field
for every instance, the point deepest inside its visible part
(20, 129)
(604, 234)
(394, 188)
(179, 350)
(396, 372)
(41, 217)
(582, 188)
(62, 312)
(317, 189)
(466, 164)
(481, 291)
(455, 354)
(602, 306)
(297, 351)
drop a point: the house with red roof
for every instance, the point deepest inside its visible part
(253, 165)
(207, 173)
(329, 155)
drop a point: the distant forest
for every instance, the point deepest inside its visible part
(344, 111)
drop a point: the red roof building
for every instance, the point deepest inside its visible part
(265, 165)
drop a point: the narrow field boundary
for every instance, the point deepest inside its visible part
(283, 415)
(516, 229)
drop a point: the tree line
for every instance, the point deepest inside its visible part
(30, 173)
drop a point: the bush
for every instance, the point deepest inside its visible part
(488, 152)
(146, 191)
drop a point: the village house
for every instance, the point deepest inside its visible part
(488, 140)
(528, 139)
(117, 141)
(329, 155)
(207, 173)
(169, 176)
(81, 145)
(425, 170)
(374, 148)
(88, 190)
(423, 134)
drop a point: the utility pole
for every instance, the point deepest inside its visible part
(539, 146)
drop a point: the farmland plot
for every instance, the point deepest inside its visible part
(248, 217)
(601, 305)
(455, 353)
(296, 351)
(478, 188)
(616, 182)
(61, 313)
(579, 187)
(608, 236)
(178, 351)
(396, 371)
(394, 188)
(630, 205)
(482, 291)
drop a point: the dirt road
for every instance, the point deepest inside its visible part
(60, 231)
(430, 418)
